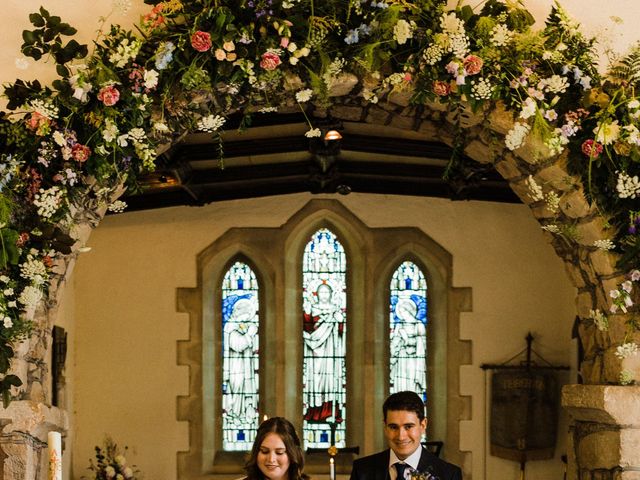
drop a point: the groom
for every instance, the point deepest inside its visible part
(404, 425)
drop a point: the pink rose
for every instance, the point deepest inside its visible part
(472, 64)
(441, 88)
(591, 148)
(201, 41)
(109, 95)
(38, 123)
(270, 61)
(80, 153)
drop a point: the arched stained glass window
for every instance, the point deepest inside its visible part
(324, 304)
(240, 322)
(408, 330)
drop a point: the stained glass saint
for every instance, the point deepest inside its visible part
(324, 335)
(408, 330)
(240, 382)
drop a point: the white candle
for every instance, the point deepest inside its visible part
(332, 469)
(54, 440)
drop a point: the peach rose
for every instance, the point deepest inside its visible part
(441, 88)
(472, 64)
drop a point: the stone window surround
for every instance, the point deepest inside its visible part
(275, 255)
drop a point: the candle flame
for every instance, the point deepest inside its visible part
(265, 418)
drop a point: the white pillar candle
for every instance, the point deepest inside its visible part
(54, 440)
(332, 469)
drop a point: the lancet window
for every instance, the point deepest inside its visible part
(240, 357)
(324, 305)
(408, 330)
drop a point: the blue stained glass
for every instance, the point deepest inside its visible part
(324, 305)
(407, 330)
(240, 357)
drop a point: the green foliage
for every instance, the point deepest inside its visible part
(46, 39)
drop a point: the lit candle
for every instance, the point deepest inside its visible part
(54, 440)
(332, 469)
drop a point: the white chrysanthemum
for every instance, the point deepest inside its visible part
(313, 132)
(117, 207)
(535, 190)
(604, 244)
(48, 201)
(626, 350)
(33, 269)
(501, 35)
(600, 320)
(607, 133)
(627, 186)
(30, 297)
(481, 89)
(304, 95)
(516, 136)
(210, 123)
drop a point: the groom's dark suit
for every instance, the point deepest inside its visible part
(376, 467)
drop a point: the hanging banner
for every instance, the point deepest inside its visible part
(524, 414)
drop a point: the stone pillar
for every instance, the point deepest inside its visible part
(23, 438)
(604, 438)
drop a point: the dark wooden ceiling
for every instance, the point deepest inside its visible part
(275, 158)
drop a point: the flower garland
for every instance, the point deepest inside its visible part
(191, 65)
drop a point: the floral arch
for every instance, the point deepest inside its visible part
(532, 103)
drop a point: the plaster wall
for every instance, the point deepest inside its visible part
(125, 379)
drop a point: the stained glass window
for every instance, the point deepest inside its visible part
(240, 322)
(324, 302)
(408, 330)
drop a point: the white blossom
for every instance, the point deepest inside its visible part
(124, 52)
(481, 89)
(551, 228)
(554, 84)
(529, 108)
(607, 133)
(403, 31)
(627, 186)
(600, 320)
(46, 108)
(516, 136)
(110, 130)
(151, 79)
(605, 244)
(626, 350)
(433, 54)
(210, 123)
(552, 201)
(30, 296)
(7, 322)
(501, 35)
(313, 132)
(626, 377)
(450, 23)
(268, 109)
(35, 270)
(117, 207)
(535, 190)
(48, 201)
(304, 95)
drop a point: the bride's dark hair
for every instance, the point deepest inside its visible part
(287, 433)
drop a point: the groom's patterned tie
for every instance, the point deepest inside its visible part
(400, 468)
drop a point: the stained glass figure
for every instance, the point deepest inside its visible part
(408, 330)
(324, 304)
(240, 381)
